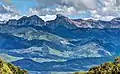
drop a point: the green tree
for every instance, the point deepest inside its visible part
(106, 68)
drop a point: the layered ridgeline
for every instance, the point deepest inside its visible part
(8, 68)
(62, 44)
(106, 68)
(63, 21)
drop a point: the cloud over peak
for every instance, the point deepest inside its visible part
(8, 12)
(96, 9)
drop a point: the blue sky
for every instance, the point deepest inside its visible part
(24, 5)
(96, 9)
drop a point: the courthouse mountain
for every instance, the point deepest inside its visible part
(67, 22)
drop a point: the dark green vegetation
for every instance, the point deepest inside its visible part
(106, 68)
(8, 68)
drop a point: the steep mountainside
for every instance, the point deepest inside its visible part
(58, 41)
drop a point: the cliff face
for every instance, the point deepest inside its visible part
(8, 68)
(106, 68)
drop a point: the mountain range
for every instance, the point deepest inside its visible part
(62, 44)
(35, 20)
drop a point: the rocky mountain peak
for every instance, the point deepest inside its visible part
(116, 19)
(32, 20)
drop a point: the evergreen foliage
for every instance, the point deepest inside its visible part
(8, 68)
(106, 68)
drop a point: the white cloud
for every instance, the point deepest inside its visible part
(4, 9)
(81, 4)
(100, 9)
(50, 14)
(97, 16)
(109, 9)
(8, 12)
(78, 4)
(6, 17)
(48, 17)
(50, 11)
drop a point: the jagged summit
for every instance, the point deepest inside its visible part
(32, 20)
(24, 17)
(78, 20)
(34, 16)
(36, 20)
(62, 21)
(65, 21)
(60, 16)
(116, 19)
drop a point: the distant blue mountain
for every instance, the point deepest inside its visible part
(59, 44)
(67, 66)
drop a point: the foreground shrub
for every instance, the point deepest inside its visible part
(8, 68)
(106, 68)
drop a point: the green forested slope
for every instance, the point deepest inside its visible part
(8, 68)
